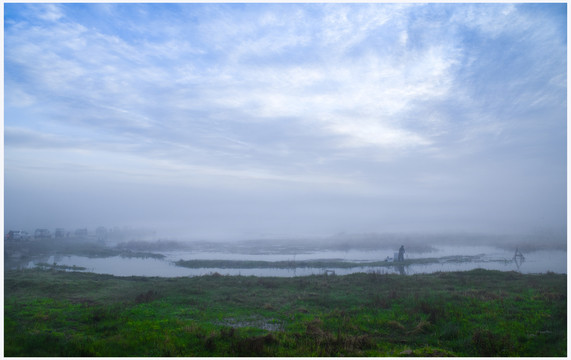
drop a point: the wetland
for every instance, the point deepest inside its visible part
(76, 297)
(286, 258)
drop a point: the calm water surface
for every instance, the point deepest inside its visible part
(489, 258)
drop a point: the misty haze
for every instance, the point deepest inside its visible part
(285, 179)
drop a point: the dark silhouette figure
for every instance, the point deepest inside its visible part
(518, 254)
(401, 253)
(518, 258)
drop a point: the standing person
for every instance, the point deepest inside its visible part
(401, 253)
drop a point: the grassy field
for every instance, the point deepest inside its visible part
(474, 313)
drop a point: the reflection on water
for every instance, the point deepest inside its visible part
(487, 258)
(518, 259)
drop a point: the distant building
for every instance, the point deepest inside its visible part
(15, 235)
(42, 234)
(82, 233)
(101, 233)
(59, 233)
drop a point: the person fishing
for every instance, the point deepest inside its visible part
(401, 253)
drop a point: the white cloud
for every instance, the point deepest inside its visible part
(492, 19)
(363, 133)
(374, 90)
(18, 97)
(50, 12)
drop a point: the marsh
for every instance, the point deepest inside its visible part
(289, 258)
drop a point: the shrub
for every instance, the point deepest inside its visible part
(147, 297)
(487, 343)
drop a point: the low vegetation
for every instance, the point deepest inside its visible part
(49, 312)
(37, 248)
(323, 264)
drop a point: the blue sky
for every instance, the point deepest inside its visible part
(244, 120)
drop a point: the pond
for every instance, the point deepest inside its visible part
(446, 258)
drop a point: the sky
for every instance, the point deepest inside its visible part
(272, 120)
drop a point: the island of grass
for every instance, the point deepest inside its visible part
(56, 266)
(33, 248)
(324, 263)
(473, 313)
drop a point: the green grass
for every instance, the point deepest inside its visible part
(475, 313)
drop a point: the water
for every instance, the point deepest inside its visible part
(487, 258)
